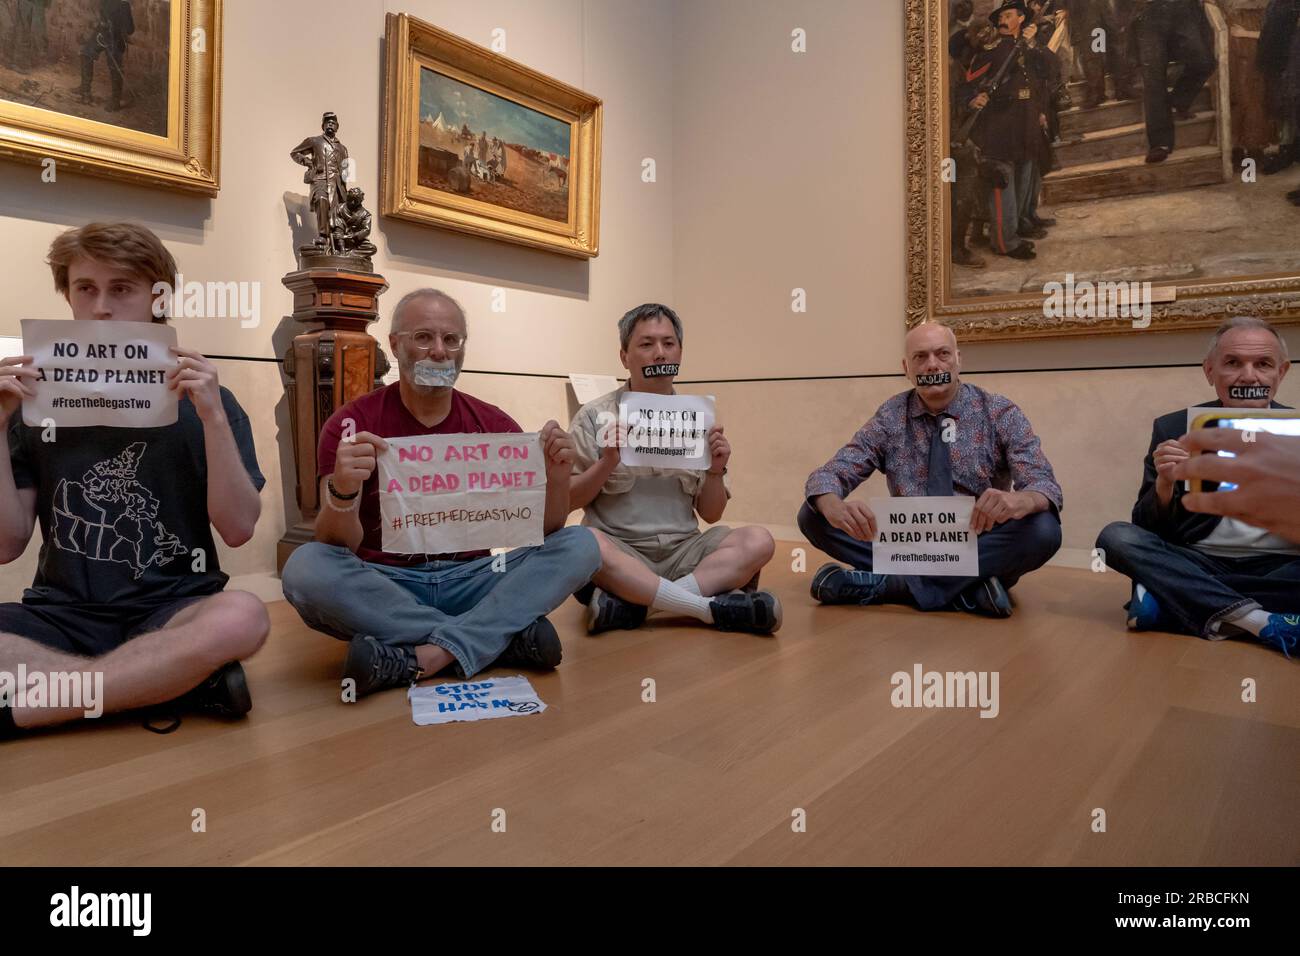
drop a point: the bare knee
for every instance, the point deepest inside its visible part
(236, 625)
(757, 546)
(609, 552)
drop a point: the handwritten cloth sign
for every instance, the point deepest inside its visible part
(100, 373)
(925, 535)
(666, 431)
(466, 492)
(474, 700)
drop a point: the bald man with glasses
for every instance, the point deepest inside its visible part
(411, 616)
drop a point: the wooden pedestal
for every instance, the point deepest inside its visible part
(327, 367)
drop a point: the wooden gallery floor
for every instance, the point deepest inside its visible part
(1149, 728)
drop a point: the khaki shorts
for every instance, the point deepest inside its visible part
(678, 560)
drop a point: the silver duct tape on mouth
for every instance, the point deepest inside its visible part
(1247, 392)
(435, 374)
(935, 378)
(655, 371)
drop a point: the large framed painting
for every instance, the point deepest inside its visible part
(1101, 166)
(127, 89)
(478, 143)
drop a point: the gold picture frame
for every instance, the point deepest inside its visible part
(432, 173)
(184, 155)
(1200, 302)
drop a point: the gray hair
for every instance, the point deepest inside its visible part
(651, 310)
(436, 294)
(1244, 322)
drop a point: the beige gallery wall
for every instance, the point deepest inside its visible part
(774, 171)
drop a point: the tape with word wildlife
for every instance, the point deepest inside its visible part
(934, 378)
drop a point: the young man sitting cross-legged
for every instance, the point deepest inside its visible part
(653, 555)
(123, 514)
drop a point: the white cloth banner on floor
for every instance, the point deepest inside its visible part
(925, 535)
(666, 431)
(474, 700)
(439, 494)
(100, 373)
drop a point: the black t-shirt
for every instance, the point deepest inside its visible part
(124, 511)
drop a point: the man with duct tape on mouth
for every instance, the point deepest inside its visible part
(941, 437)
(646, 519)
(1203, 574)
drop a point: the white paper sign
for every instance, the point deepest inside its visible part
(925, 535)
(588, 388)
(100, 373)
(446, 493)
(666, 431)
(10, 346)
(474, 700)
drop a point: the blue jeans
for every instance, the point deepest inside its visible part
(1012, 549)
(1197, 590)
(464, 607)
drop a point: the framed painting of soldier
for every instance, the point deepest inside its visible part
(1101, 166)
(126, 89)
(480, 144)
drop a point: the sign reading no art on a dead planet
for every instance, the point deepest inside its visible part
(439, 494)
(925, 535)
(95, 372)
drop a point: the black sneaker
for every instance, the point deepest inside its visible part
(605, 612)
(373, 665)
(224, 694)
(757, 612)
(537, 647)
(8, 729)
(834, 584)
(988, 598)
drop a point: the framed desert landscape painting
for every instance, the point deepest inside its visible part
(126, 89)
(1101, 166)
(478, 143)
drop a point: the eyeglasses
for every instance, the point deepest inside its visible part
(424, 340)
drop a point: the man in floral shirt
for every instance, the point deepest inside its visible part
(946, 438)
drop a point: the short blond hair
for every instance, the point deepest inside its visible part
(127, 245)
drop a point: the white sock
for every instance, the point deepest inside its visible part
(690, 584)
(1252, 621)
(673, 597)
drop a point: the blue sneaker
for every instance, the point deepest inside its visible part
(833, 584)
(1143, 611)
(1282, 631)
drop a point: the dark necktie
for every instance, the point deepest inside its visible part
(939, 481)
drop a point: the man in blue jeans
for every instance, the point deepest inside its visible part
(1203, 574)
(410, 616)
(942, 437)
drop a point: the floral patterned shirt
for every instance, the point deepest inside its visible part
(994, 446)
